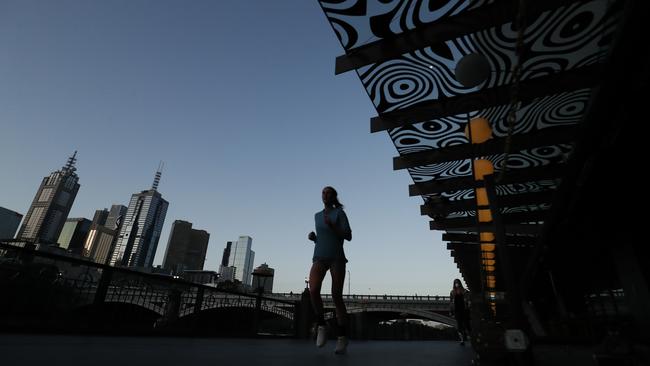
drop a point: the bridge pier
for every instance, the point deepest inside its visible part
(172, 309)
(360, 329)
(303, 316)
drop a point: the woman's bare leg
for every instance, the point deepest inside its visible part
(316, 276)
(337, 272)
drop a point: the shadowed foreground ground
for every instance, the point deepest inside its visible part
(28, 350)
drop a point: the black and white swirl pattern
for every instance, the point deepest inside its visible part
(429, 135)
(450, 169)
(419, 76)
(460, 214)
(358, 22)
(557, 41)
(555, 110)
(567, 38)
(540, 156)
(464, 194)
(539, 186)
(527, 208)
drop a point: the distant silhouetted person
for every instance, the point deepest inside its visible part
(458, 308)
(332, 227)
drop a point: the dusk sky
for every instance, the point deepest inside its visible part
(239, 99)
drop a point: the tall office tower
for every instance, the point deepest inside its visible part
(186, 248)
(263, 278)
(226, 273)
(103, 233)
(9, 221)
(241, 257)
(115, 217)
(99, 218)
(138, 238)
(99, 244)
(226, 254)
(51, 205)
(73, 235)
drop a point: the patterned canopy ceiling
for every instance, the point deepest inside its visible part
(406, 54)
(417, 96)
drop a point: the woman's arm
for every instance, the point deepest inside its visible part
(343, 234)
(342, 230)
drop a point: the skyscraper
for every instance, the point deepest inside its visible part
(51, 205)
(99, 244)
(73, 235)
(186, 248)
(241, 257)
(103, 233)
(138, 238)
(226, 254)
(100, 217)
(9, 221)
(115, 217)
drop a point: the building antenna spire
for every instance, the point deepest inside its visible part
(69, 166)
(156, 179)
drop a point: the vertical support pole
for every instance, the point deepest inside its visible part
(503, 255)
(199, 300)
(513, 295)
(634, 285)
(172, 308)
(304, 315)
(102, 286)
(258, 310)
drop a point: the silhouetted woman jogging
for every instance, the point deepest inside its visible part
(332, 227)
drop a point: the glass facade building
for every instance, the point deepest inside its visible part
(138, 237)
(51, 205)
(73, 235)
(242, 257)
(115, 217)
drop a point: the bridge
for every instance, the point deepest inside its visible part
(78, 291)
(427, 307)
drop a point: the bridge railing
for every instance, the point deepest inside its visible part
(355, 297)
(45, 290)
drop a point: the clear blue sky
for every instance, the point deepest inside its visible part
(240, 100)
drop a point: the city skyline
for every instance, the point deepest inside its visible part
(248, 144)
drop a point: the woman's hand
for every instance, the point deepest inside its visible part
(312, 236)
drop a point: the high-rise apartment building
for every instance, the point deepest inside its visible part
(51, 205)
(141, 228)
(186, 248)
(9, 222)
(242, 257)
(73, 235)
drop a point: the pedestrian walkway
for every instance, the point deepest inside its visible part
(40, 350)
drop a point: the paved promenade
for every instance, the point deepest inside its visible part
(46, 350)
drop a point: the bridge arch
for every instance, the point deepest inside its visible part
(265, 308)
(422, 314)
(113, 315)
